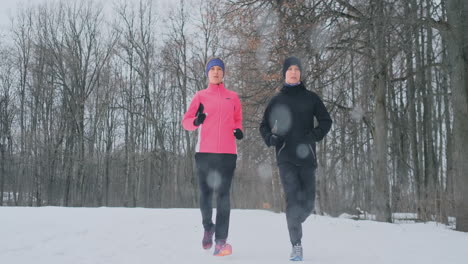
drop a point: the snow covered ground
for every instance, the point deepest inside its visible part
(56, 235)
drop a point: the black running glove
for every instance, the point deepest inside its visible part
(238, 134)
(200, 116)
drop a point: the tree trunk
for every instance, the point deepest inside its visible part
(430, 167)
(457, 14)
(382, 201)
(448, 135)
(2, 170)
(68, 165)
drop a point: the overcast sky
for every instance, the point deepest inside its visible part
(8, 8)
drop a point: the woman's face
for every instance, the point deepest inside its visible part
(293, 75)
(215, 75)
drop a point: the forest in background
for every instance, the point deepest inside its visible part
(92, 97)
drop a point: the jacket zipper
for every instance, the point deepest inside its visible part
(282, 147)
(219, 123)
(312, 151)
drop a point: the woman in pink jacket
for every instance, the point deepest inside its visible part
(217, 113)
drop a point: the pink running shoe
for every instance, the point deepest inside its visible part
(222, 249)
(207, 241)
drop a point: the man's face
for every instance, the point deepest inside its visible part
(293, 74)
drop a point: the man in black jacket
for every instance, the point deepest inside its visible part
(288, 125)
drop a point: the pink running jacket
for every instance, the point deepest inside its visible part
(223, 114)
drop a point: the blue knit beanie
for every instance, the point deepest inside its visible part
(214, 62)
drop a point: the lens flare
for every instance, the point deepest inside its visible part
(214, 179)
(280, 119)
(302, 151)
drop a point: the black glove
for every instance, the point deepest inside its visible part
(238, 134)
(200, 115)
(276, 140)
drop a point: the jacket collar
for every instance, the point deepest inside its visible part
(216, 87)
(292, 89)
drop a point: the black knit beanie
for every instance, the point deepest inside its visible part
(291, 61)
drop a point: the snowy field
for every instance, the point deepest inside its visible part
(56, 235)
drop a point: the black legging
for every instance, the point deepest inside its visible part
(215, 172)
(299, 188)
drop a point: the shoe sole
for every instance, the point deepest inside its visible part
(223, 253)
(296, 259)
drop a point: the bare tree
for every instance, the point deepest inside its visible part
(6, 120)
(176, 60)
(457, 12)
(383, 212)
(23, 43)
(80, 55)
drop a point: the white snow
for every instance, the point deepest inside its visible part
(56, 235)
